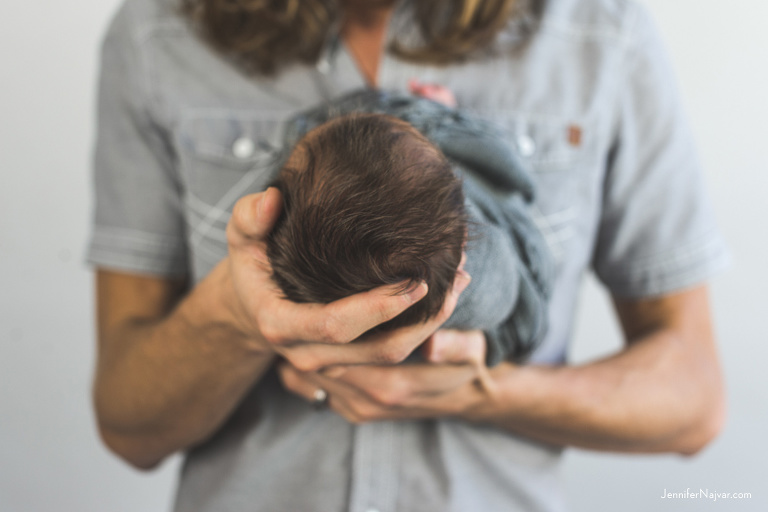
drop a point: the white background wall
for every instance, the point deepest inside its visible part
(50, 456)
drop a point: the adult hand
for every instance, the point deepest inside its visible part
(313, 336)
(453, 381)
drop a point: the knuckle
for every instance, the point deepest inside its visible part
(387, 397)
(395, 382)
(331, 330)
(392, 354)
(270, 327)
(392, 392)
(384, 311)
(271, 334)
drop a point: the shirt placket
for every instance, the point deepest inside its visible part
(375, 467)
(374, 475)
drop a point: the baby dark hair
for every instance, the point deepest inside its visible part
(368, 201)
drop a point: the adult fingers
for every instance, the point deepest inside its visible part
(347, 402)
(411, 391)
(390, 347)
(281, 322)
(408, 385)
(343, 320)
(360, 404)
(297, 383)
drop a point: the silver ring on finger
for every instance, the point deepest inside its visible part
(320, 399)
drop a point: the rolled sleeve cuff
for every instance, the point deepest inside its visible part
(684, 268)
(137, 252)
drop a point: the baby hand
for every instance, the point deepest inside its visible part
(432, 92)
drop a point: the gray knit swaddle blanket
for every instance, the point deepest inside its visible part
(507, 257)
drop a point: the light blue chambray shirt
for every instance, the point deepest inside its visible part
(588, 100)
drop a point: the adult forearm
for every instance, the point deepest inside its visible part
(165, 384)
(655, 396)
(169, 373)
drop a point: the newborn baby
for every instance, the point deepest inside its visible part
(369, 200)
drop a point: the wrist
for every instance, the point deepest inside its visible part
(220, 314)
(476, 398)
(510, 390)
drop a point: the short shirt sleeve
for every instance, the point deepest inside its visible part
(138, 223)
(657, 231)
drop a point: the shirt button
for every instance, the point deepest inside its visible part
(526, 145)
(243, 148)
(323, 66)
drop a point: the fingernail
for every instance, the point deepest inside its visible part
(418, 292)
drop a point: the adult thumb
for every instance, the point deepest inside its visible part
(254, 216)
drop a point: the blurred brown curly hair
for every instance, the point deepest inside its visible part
(263, 35)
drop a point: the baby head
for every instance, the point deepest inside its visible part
(367, 201)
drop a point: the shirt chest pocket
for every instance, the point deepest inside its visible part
(222, 158)
(560, 156)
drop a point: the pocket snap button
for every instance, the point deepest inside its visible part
(526, 145)
(243, 148)
(323, 66)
